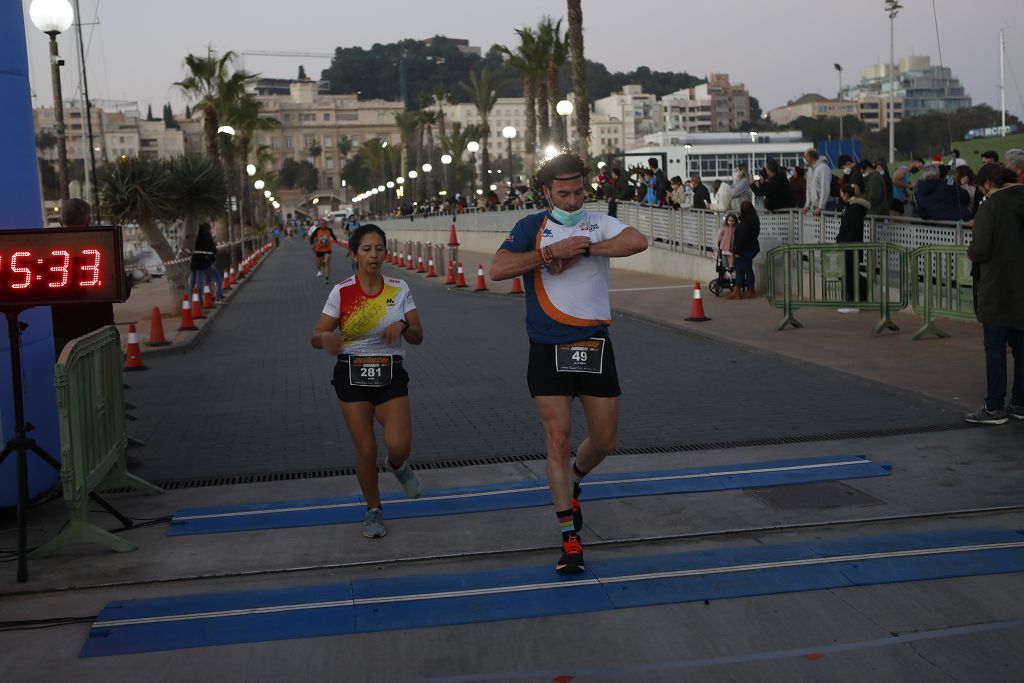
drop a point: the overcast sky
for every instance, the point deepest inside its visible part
(780, 49)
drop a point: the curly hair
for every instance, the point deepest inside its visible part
(564, 165)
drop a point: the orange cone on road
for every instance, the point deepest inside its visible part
(697, 308)
(401, 259)
(431, 271)
(234, 277)
(481, 283)
(197, 306)
(451, 273)
(133, 355)
(227, 280)
(410, 263)
(419, 265)
(517, 287)
(186, 315)
(207, 296)
(156, 329)
(453, 239)
(461, 281)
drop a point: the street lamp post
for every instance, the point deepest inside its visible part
(893, 7)
(229, 131)
(250, 170)
(509, 133)
(53, 17)
(839, 69)
(446, 160)
(473, 147)
(564, 109)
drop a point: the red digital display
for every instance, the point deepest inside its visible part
(60, 266)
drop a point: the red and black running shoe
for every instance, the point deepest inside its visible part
(571, 561)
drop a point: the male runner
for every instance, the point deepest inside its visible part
(564, 254)
(322, 239)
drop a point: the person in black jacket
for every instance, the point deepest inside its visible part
(701, 196)
(940, 199)
(661, 183)
(745, 247)
(204, 255)
(851, 230)
(775, 188)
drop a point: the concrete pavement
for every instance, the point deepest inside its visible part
(270, 406)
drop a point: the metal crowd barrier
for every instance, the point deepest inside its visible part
(944, 288)
(93, 436)
(868, 276)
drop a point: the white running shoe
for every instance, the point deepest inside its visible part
(318, 273)
(407, 478)
(373, 525)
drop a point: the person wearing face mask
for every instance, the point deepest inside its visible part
(851, 176)
(564, 254)
(996, 253)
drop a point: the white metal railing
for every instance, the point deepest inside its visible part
(695, 231)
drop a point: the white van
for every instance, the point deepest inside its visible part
(338, 216)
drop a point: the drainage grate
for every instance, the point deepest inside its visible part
(201, 482)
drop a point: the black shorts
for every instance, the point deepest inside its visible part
(347, 393)
(544, 380)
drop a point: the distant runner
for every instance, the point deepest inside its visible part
(564, 255)
(322, 240)
(373, 314)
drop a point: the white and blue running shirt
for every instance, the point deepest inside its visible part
(572, 305)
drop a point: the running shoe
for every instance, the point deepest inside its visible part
(373, 525)
(571, 561)
(984, 416)
(408, 479)
(1016, 412)
(327, 280)
(319, 273)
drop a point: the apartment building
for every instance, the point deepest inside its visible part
(308, 117)
(871, 109)
(921, 85)
(115, 134)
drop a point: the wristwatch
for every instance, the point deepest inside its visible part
(586, 252)
(405, 325)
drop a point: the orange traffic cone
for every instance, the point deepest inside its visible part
(697, 308)
(410, 263)
(431, 271)
(133, 356)
(453, 239)
(197, 306)
(401, 259)
(234, 277)
(461, 282)
(156, 329)
(207, 296)
(517, 287)
(481, 283)
(419, 265)
(227, 280)
(451, 273)
(186, 315)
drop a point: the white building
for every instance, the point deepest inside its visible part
(921, 85)
(714, 155)
(639, 112)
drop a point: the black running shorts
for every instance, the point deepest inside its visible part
(347, 393)
(544, 380)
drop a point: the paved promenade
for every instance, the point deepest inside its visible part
(249, 401)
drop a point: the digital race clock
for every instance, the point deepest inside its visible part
(61, 266)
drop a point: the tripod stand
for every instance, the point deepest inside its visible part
(22, 444)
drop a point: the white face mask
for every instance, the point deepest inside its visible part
(847, 170)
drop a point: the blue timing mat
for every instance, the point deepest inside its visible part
(522, 494)
(423, 601)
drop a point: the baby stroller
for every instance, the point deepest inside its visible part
(724, 279)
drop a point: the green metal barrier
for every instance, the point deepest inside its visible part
(819, 275)
(941, 286)
(93, 435)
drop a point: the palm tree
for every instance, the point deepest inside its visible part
(579, 77)
(427, 119)
(146, 191)
(408, 126)
(455, 144)
(243, 114)
(211, 85)
(528, 61)
(483, 91)
(441, 97)
(556, 49)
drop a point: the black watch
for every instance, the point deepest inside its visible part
(586, 252)
(405, 325)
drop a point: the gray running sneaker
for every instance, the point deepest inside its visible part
(408, 479)
(373, 526)
(1016, 412)
(984, 416)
